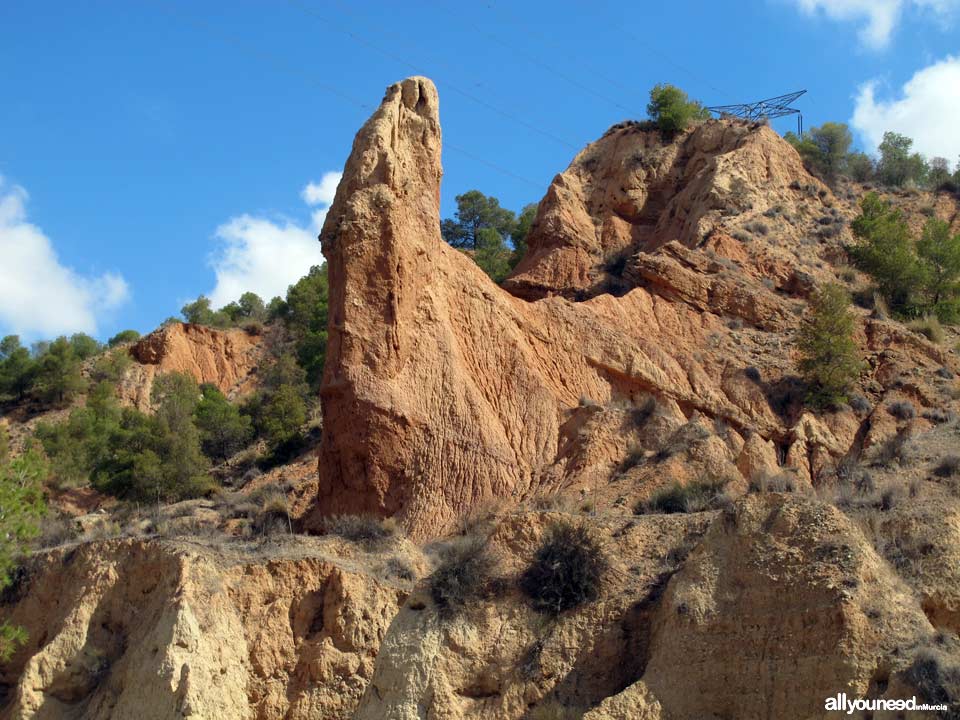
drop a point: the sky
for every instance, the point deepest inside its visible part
(156, 150)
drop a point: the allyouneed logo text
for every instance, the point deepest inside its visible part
(842, 703)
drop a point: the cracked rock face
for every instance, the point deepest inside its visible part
(442, 390)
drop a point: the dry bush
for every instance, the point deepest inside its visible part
(936, 676)
(938, 416)
(929, 327)
(896, 450)
(948, 466)
(685, 437)
(273, 518)
(902, 410)
(774, 483)
(397, 567)
(367, 530)
(567, 569)
(481, 518)
(55, 531)
(676, 498)
(635, 456)
(464, 575)
(859, 404)
(544, 502)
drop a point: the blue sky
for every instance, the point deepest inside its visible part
(151, 151)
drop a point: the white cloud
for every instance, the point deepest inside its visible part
(880, 16)
(265, 256)
(40, 297)
(322, 193)
(926, 111)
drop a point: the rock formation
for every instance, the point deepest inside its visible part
(671, 272)
(780, 604)
(225, 358)
(159, 630)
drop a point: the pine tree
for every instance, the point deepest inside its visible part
(829, 355)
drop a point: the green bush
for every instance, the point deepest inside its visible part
(672, 110)
(939, 254)
(111, 366)
(914, 279)
(128, 454)
(279, 410)
(885, 251)
(567, 569)
(829, 356)
(22, 503)
(59, 378)
(18, 369)
(223, 429)
(123, 337)
(823, 149)
(898, 166)
(304, 314)
(481, 227)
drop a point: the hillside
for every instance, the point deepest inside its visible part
(628, 399)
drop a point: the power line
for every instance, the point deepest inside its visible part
(236, 41)
(442, 81)
(284, 66)
(653, 50)
(546, 66)
(592, 69)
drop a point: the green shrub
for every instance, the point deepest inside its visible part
(304, 314)
(111, 366)
(914, 279)
(939, 254)
(672, 110)
(59, 378)
(829, 357)
(127, 453)
(898, 166)
(823, 149)
(223, 429)
(22, 503)
(123, 337)
(18, 369)
(567, 569)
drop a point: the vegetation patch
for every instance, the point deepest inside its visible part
(676, 498)
(567, 569)
(464, 575)
(366, 530)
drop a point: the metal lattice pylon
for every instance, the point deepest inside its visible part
(763, 109)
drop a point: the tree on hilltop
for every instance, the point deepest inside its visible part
(824, 150)
(672, 110)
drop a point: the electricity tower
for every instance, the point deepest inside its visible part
(764, 109)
